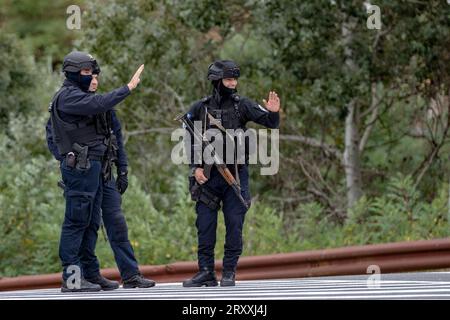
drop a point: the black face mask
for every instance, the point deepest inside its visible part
(83, 81)
(223, 91)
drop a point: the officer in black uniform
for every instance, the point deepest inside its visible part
(113, 217)
(231, 112)
(79, 127)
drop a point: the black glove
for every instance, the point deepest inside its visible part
(122, 180)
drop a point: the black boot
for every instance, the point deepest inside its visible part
(85, 286)
(104, 283)
(204, 277)
(138, 281)
(228, 279)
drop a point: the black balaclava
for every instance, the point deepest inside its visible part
(83, 81)
(220, 92)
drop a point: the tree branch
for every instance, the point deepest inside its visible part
(425, 165)
(313, 143)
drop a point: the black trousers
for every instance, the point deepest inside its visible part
(234, 214)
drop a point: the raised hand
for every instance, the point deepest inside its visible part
(136, 78)
(273, 102)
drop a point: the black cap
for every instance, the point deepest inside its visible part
(77, 60)
(222, 69)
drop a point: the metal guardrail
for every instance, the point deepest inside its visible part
(389, 257)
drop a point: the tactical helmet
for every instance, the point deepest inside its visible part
(222, 69)
(77, 60)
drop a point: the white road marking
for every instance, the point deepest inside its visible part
(261, 289)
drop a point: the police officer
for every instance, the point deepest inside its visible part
(79, 127)
(112, 214)
(231, 111)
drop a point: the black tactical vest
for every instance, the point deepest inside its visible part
(228, 114)
(87, 132)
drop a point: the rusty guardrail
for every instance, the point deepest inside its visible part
(389, 257)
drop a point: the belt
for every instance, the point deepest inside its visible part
(93, 157)
(97, 158)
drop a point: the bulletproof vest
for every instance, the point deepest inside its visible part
(228, 114)
(90, 130)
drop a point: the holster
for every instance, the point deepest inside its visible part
(202, 194)
(194, 189)
(81, 156)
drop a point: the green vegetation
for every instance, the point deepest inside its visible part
(387, 88)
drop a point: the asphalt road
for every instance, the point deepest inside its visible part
(429, 285)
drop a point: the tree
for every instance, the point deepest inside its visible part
(350, 76)
(17, 74)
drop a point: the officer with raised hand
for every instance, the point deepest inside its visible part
(113, 217)
(79, 129)
(224, 109)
